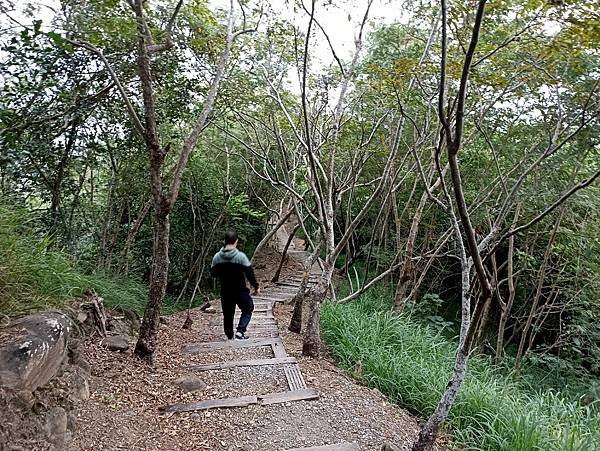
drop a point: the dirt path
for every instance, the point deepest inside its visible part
(123, 412)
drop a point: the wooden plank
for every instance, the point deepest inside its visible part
(255, 331)
(278, 287)
(264, 297)
(294, 377)
(211, 404)
(254, 318)
(257, 309)
(260, 315)
(337, 447)
(263, 334)
(278, 349)
(290, 285)
(264, 322)
(288, 396)
(240, 363)
(229, 344)
(296, 283)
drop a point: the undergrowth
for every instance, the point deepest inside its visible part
(411, 364)
(35, 277)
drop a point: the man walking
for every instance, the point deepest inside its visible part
(230, 266)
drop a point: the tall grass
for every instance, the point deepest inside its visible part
(411, 365)
(35, 277)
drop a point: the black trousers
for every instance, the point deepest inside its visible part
(245, 304)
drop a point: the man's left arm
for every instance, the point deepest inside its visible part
(249, 272)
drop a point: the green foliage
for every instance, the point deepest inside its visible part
(34, 277)
(238, 209)
(411, 364)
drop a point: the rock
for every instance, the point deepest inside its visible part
(83, 364)
(116, 343)
(35, 351)
(82, 317)
(391, 447)
(127, 316)
(56, 426)
(190, 383)
(71, 421)
(77, 382)
(24, 399)
(118, 325)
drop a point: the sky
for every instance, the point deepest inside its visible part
(341, 19)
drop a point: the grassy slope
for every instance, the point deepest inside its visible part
(33, 278)
(411, 365)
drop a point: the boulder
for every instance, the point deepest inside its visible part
(33, 349)
(123, 321)
(76, 380)
(116, 343)
(56, 426)
(190, 383)
(391, 447)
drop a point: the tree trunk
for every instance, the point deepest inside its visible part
(538, 292)
(284, 253)
(506, 307)
(296, 321)
(133, 231)
(431, 428)
(311, 345)
(312, 335)
(272, 232)
(407, 271)
(483, 322)
(148, 337)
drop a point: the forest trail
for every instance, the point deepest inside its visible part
(264, 352)
(259, 394)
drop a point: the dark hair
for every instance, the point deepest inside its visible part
(230, 237)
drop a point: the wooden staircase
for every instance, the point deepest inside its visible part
(265, 333)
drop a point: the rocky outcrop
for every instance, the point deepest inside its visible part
(116, 343)
(44, 375)
(33, 350)
(43, 378)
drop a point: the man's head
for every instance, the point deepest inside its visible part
(231, 238)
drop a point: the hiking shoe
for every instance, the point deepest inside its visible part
(241, 335)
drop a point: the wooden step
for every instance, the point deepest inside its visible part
(257, 309)
(277, 286)
(253, 323)
(254, 319)
(295, 284)
(294, 377)
(288, 396)
(337, 447)
(278, 349)
(243, 401)
(240, 363)
(267, 298)
(230, 344)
